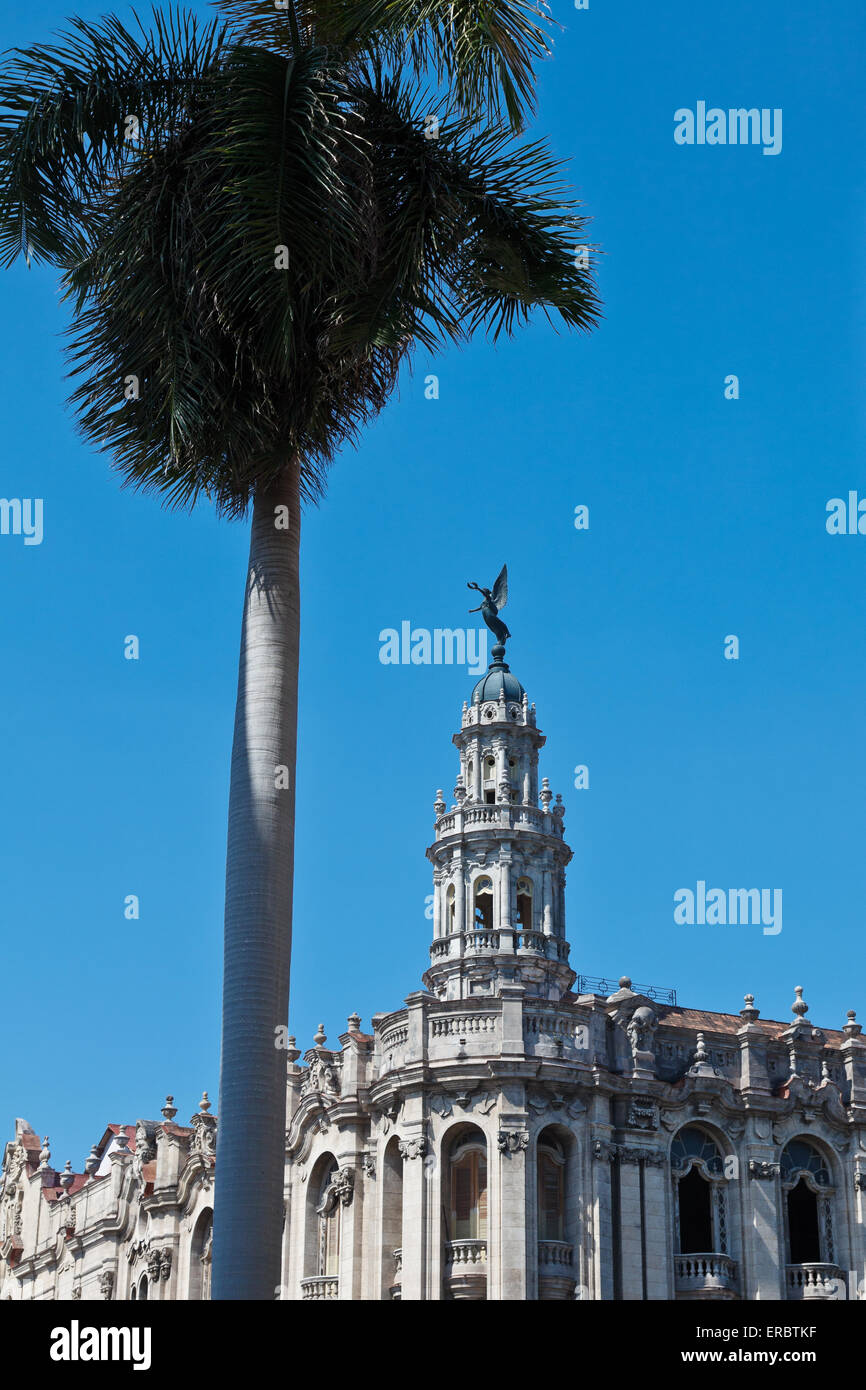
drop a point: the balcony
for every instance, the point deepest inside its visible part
(808, 1281)
(466, 1269)
(705, 1276)
(555, 1279)
(321, 1287)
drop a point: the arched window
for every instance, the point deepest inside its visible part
(450, 909)
(468, 1192)
(808, 1210)
(328, 1211)
(698, 1169)
(133, 1294)
(489, 770)
(142, 1287)
(524, 903)
(484, 903)
(200, 1253)
(551, 1189)
(392, 1220)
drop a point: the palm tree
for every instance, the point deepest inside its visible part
(254, 231)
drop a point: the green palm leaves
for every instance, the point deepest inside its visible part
(254, 235)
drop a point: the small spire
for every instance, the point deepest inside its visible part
(293, 1052)
(169, 1110)
(44, 1153)
(91, 1163)
(204, 1104)
(439, 804)
(799, 1006)
(546, 794)
(67, 1177)
(320, 1037)
(354, 1022)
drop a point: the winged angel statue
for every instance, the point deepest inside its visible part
(494, 601)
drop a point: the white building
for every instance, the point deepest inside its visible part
(511, 1132)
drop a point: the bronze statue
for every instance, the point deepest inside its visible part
(494, 600)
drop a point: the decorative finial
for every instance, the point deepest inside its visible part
(204, 1104)
(44, 1153)
(67, 1177)
(546, 794)
(701, 1054)
(169, 1110)
(625, 982)
(493, 601)
(799, 1006)
(459, 790)
(439, 807)
(825, 1070)
(852, 1028)
(320, 1037)
(122, 1139)
(749, 1013)
(91, 1163)
(559, 809)
(293, 1052)
(354, 1022)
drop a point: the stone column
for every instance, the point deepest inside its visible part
(763, 1229)
(460, 923)
(412, 1150)
(476, 770)
(546, 906)
(656, 1213)
(508, 1253)
(630, 1228)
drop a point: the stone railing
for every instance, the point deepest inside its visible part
(321, 1287)
(395, 1037)
(508, 815)
(531, 941)
(482, 940)
(555, 1252)
(455, 1025)
(465, 1252)
(815, 1281)
(704, 1273)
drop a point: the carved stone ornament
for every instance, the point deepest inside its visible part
(165, 1265)
(368, 1166)
(106, 1284)
(760, 1168)
(642, 1114)
(603, 1150)
(413, 1148)
(76, 1292)
(154, 1261)
(860, 1182)
(650, 1157)
(511, 1141)
(323, 1077)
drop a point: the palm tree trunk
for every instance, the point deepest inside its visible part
(248, 1216)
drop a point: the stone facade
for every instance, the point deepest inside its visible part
(511, 1132)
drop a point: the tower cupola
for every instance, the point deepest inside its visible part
(499, 854)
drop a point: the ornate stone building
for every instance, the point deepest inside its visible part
(513, 1131)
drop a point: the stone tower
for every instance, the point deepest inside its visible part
(499, 857)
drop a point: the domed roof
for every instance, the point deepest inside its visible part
(496, 683)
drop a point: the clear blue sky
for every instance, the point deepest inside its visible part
(707, 517)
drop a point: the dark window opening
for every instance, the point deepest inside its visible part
(490, 798)
(803, 1233)
(696, 1214)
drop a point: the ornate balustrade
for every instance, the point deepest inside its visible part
(454, 1025)
(466, 1269)
(705, 1275)
(507, 815)
(321, 1287)
(555, 1278)
(815, 1281)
